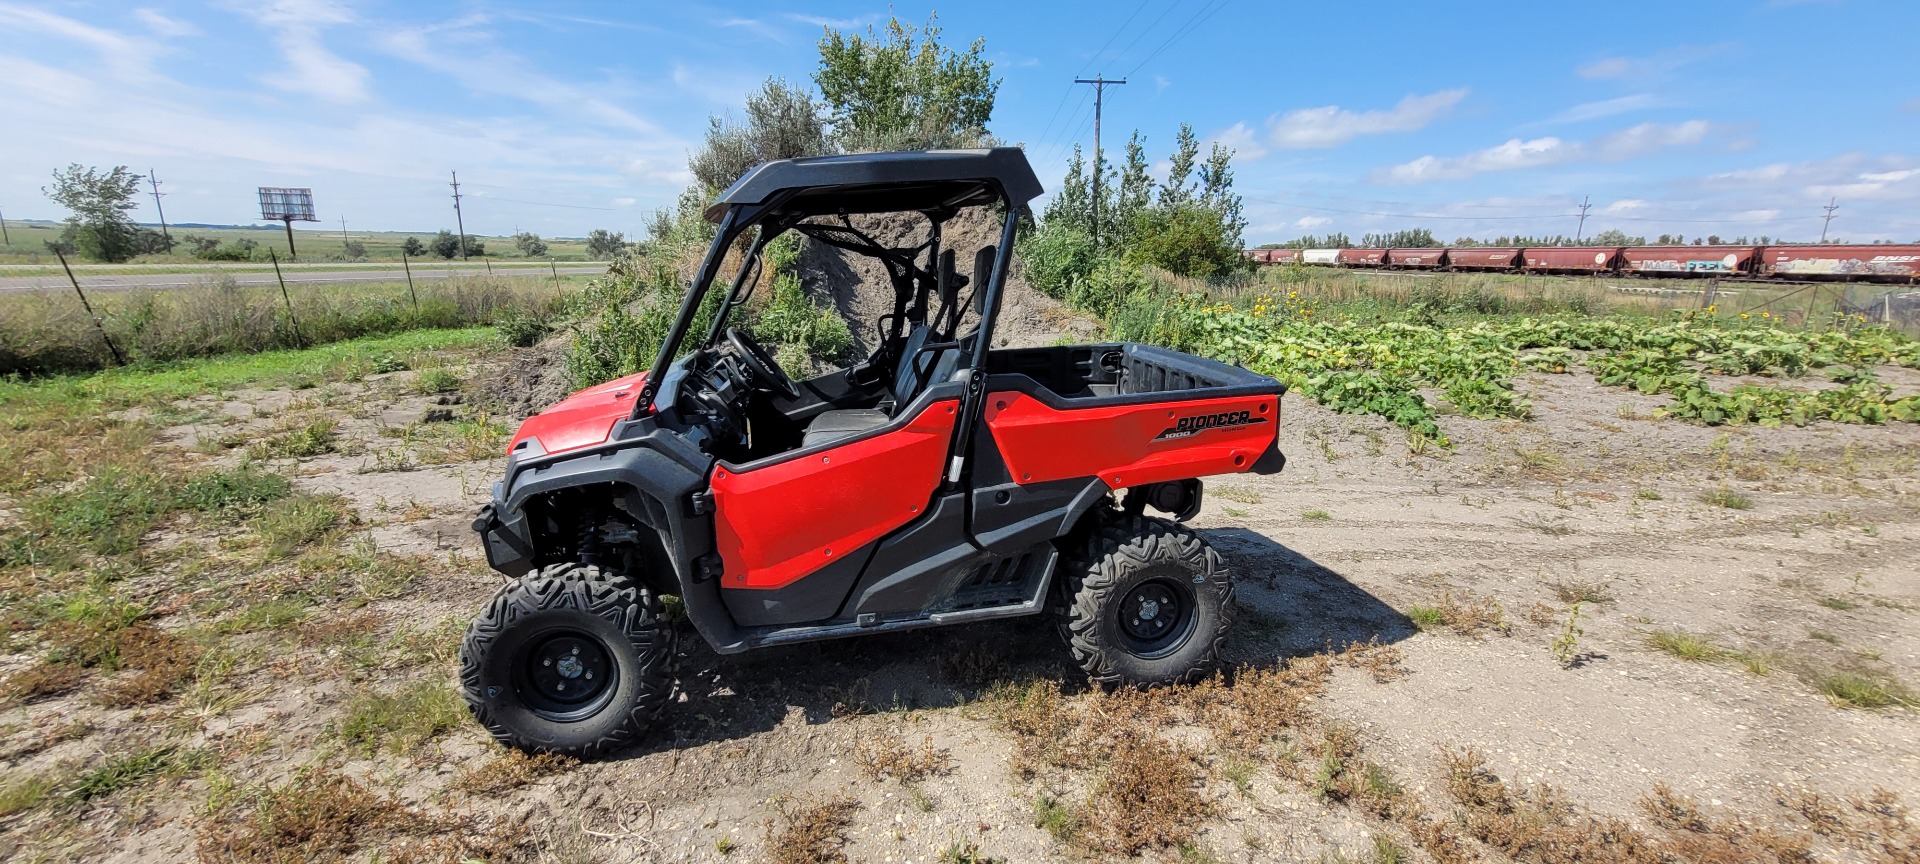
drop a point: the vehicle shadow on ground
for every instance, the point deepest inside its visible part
(1290, 606)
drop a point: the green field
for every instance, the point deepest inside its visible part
(26, 245)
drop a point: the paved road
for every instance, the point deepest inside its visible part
(22, 284)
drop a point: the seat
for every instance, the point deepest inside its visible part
(917, 369)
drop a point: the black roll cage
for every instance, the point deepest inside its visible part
(909, 282)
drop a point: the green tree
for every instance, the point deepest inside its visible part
(783, 122)
(1132, 195)
(1072, 205)
(602, 243)
(530, 244)
(903, 90)
(413, 247)
(444, 244)
(97, 204)
(1178, 189)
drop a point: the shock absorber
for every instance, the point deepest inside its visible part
(587, 542)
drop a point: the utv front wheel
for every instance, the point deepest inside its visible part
(570, 659)
(1148, 602)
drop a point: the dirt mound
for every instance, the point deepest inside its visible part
(529, 380)
(857, 286)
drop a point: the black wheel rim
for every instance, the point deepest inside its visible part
(565, 675)
(1156, 617)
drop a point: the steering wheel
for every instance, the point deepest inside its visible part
(762, 364)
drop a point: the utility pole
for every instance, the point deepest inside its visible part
(1581, 230)
(1099, 166)
(3, 230)
(154, 184)
(458, 220)
(1832, 205)
(343, 232)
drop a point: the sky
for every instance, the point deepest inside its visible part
(1729, 118)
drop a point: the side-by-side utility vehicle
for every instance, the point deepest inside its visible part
(938, 481)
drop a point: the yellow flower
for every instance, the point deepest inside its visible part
(1712, 308)
(1743, 315)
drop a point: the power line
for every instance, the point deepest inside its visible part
(1191, 25)
(458, 220)
(1832, 205)
(1143, 34)
(154, 184)
(1099, 91)
(1095, 59)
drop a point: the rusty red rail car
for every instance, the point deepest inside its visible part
(1843, 262)
(1879, 263)
(1419, 259)
(1690, 260)
(1572, 259)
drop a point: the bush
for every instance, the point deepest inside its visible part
(530, 244)
(1057, 255)
(522, 330)
(355, 249)
(602, 243)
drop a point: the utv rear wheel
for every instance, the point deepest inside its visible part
(570, 659)
(1148, 602)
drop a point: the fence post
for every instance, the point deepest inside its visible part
(555, 268)
(294, 322)
(489, 263)
(410, 291)
(118, 359)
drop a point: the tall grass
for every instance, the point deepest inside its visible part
(48, 332)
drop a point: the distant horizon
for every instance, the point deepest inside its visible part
(566, 117)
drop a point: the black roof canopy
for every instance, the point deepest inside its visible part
(885, 182)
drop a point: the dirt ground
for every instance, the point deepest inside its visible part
(1789, 554)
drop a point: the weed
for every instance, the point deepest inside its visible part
(23, 794)
(1239, 771)
(725, 846)
(1552, 525)
(1725, 497)
(123, 772)
(162, 662)
(438, 379)
(40, 681)
(1583, 591)
(512, 769)
(810, 833)
(1058, 817)
(1647, 494)
(1566, 646)
(1380, 660)
(1146, 798)
(887, 755)
(966, 852)
(1237, 493)
(1823, 636)
(235, 490)
(403, 719)
(1686, 646)
(974, 665)
(1851, 689)
(1316, 515)
(1234, 512)
(1426, 617)
(1472, 616)
(316, 815)
(1839, 604)
(300, 520)
(292, 439)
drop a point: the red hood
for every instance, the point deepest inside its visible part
(582, 420)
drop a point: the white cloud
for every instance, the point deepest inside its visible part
(835, 23)
(1657, 63)
(1311, 221)
(1517, 154)
(625, 202)
(474, 64)
(1850, 175)
(1624, 205)
(1331, 125)
(297, 26)
(1605, 108)
(129, 58)
(163, 26)
(1241, 140)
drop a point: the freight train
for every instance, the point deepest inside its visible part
(1849, 263)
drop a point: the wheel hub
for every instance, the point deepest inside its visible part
(1155, 617)
(566, 674)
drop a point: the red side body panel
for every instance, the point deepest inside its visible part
(1416, 257)
(582, 420)
(1131, 445)
(1688, 259)
(1363, 257)
(1572, 258)
(1845, 261)
(778, 523)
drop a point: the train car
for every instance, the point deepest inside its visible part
(1362, 257)
(1690, 260)
(1865, 263)
(1283, 256)
(1320, 256)
(1483, 258)
(1417, 259)
(1572, 259)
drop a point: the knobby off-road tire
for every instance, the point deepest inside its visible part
(568, 625)
(1133, 564)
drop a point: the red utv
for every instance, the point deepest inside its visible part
(936, 482)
